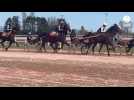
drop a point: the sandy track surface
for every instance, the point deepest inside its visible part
(41, 69)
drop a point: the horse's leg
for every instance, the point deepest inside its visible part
(89, 46)
(2, 43)
(62, 45)
(119, 47)
(107, 49)
(131, 52)
(40, 47)
(17, 44)
(113, 48)
(44, 46)
(128, 49)
(51, 44)
(55, 47)
(101, 46)
(67, 43)
(9, 45)
(93, 47)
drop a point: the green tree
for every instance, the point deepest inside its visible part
(52, 23)
(30, 21)
(8, 24)
(36, 24)
(82, 31)
(42, 25)
(12, 23)
(16, 23)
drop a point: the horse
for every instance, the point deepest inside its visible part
(104, 38)
(54, 38)
(34, 41)
(8, 36)
(130, 45)
(87, 42)
(42, 39)
(123, 42)
(75, 41)
(62, 35)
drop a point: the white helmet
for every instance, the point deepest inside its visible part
(105, 24)
(62, 22)
(10, 29)
(29, 33)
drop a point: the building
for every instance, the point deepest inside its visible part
(126, 24)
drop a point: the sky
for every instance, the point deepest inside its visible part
(90, 20)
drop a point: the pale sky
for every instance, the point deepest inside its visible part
(90, 20)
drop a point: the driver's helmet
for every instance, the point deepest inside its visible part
(10, 29)
(29, 33)
(105, 24)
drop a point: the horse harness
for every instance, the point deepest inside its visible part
(7, 34)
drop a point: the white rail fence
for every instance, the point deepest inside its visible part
(23, 39)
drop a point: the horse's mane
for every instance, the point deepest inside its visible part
(112, 28)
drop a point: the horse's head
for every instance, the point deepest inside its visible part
(118, 28)
(115, 29)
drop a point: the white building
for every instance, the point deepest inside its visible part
(126, 24)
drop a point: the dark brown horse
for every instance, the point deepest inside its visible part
(130, 45)
(8, 36)
(104, 38)
(54, 38)
(75, 41)
(33, 41)
(42, 38)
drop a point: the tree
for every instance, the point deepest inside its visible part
(29, 24)
(24, 16)
(42, 25)
(16, 23)
(36, 24)
(83, 31)
(12, 23)
(52, 23)
(8, 24)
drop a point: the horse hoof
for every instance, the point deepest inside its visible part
(6, 49)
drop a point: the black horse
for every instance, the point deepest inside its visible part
(130, 45)
(104, 38)
(62, 35)
(33, 41)
(53, 38)
(8, 36)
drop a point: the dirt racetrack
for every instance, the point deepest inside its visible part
(25, 69)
